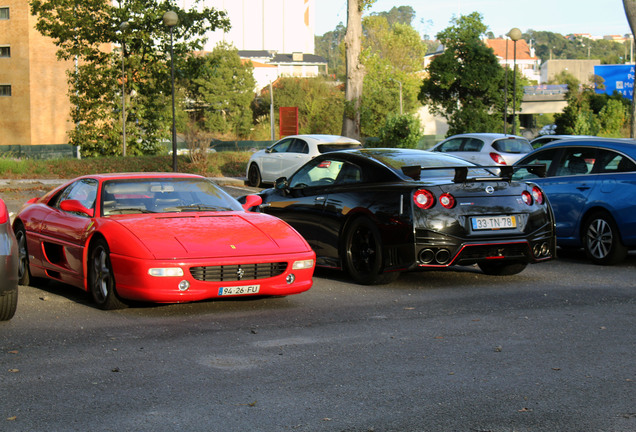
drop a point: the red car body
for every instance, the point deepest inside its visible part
(165, 255)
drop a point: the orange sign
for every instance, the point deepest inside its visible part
(288, 121)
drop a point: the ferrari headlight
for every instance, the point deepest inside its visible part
(166, 272)
(304, 264)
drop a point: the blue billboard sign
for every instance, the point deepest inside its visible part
(618, 78)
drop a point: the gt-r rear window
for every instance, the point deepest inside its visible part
(512, 145)
(326, 148)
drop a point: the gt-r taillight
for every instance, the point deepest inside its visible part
(537, 194)
(424, 199)
(447, 200)
(497, 158)
(527, 197)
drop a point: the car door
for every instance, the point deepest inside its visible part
(272, 160)
(568, 186)
(297, 155)
(64, 233)
(302, 203)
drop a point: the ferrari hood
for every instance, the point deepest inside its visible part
(219, 235)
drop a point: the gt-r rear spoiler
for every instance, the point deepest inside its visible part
(461, 172)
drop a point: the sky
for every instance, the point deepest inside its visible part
(596, 17)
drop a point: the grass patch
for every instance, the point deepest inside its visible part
(226, 164)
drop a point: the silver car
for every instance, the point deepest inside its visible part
(285, 156)
(8, 266)
(485, 148)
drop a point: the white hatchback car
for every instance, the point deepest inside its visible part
(285, 156)
(485, 148)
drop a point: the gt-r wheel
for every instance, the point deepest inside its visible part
(602, 241)
(24, 273)
(363, 254)
(8, 305)
(501, 269)
(101, 279)
(254, 176)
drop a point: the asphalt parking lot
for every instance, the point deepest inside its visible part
(550, 349)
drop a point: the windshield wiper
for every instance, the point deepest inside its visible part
(200, 207)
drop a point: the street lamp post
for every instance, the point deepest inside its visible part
(170, 19)
(515, 35)
(505, 113)
(123, 27)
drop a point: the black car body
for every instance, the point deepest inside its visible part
(378, 212)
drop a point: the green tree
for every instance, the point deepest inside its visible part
(331, 46)
(465, 82)
(401, 130)
(85, 30)
(221, 91)
(319, 100)
(392, 56)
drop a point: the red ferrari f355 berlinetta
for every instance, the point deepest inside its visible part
(162, 238)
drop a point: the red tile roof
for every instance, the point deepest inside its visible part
(499, 47)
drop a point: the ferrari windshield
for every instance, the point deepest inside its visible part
(164, 195)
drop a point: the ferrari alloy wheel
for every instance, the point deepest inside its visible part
(501, 269)
(601, 240)
(101, 279)
(254, 176)
(363, 254)
(24, 273)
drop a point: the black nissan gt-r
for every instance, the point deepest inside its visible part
(378, 212)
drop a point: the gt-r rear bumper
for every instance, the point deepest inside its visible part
(230, 277)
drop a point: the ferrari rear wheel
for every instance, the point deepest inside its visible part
(101, 279)
(254, 176)
(363, 254)
(601, 240)
(501, 269)
(24, 273)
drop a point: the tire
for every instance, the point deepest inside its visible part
(363, 254)
(24, 272)
(501, 269)
(101, 279)
(254, 176)
(8, 305)
(601, 240)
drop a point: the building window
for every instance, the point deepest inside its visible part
(5, 51)
(4, 13)
(5, 89)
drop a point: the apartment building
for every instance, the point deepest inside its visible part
(34, 106)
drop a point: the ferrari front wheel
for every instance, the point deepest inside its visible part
(101, 278)
(363, 254)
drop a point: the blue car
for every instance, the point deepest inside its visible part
(591, 185)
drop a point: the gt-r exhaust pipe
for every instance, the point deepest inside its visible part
(427, 256)
(442, 256)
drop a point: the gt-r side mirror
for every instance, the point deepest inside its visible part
(252, 201)
(281, 183)
(76, 207)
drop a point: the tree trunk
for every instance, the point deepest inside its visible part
(355, 70)
(630, 11)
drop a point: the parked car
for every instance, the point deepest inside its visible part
(164, 238)
(545, 139)
(591, 184)
(8, 266)
(285, 156)
(379, 212)
(485, 148)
